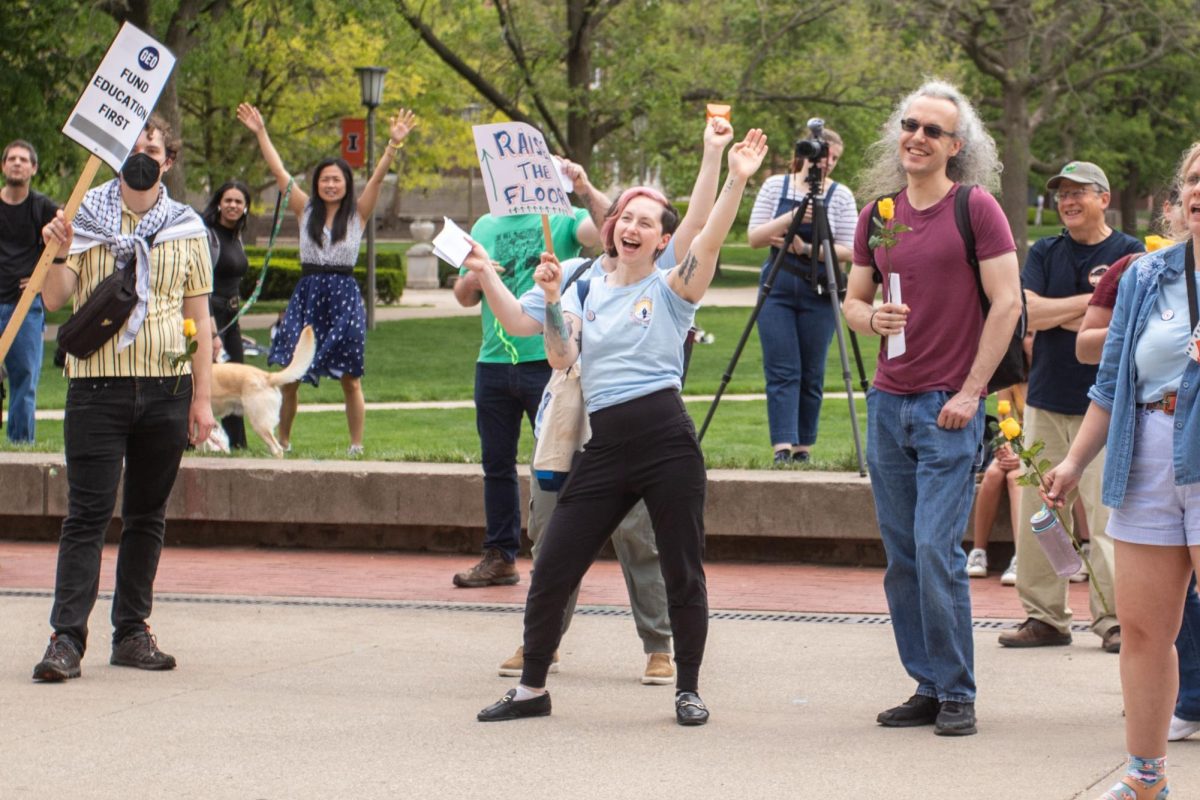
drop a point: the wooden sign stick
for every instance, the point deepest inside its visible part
(545, 234)
(48, 254)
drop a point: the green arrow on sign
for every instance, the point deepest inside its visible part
(485, 158)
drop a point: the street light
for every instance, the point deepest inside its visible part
(371, 83)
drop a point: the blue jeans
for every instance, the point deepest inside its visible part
(922, 479)
(24, 365)
(133, 425)
(1188, 646)
(504, 393)
(795, 327)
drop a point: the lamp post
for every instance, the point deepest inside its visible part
(371, 83)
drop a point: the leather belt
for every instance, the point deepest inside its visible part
(1166, 405)
(326, 269)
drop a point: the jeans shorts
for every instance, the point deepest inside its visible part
(1156, 511)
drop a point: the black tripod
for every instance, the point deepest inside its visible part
(835, 285)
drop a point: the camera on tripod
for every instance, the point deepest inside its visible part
(815, 148)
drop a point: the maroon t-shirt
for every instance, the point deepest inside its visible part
(1105, 293)
(938, 285)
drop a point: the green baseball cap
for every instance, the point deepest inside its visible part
(1080, 172)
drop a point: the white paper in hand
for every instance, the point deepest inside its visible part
(568, 185)
(451, 245)
(895, 342)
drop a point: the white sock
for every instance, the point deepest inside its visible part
(526, 693)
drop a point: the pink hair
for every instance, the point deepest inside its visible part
(670, 218)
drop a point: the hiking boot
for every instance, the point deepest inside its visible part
(140, 650)
(917, 710)
(60, 662)
(977, 563)
(1035, 633)
(492, 570)
(1111, 640)
(659, 671)
(513, 666)
(508, 707)
(955, 719)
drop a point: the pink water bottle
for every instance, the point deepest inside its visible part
(1056, 543)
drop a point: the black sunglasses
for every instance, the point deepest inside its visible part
(932, 131)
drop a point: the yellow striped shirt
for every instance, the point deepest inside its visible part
(178, 269)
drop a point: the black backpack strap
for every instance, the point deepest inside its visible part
(578, 273)
(962, 219)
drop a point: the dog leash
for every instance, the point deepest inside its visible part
(281, 200)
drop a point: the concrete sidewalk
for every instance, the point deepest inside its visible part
(338, 696)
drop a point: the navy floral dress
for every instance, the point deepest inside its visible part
(331, 303)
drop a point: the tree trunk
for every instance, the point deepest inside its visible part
(579, 69)
(1014, 180)
(1129, 198)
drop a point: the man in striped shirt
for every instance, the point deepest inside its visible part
(129, 404)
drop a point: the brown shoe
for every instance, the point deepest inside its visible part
(659, 670)
(492, 570)
(513, 667)
(1034, 633)
(1111, 640)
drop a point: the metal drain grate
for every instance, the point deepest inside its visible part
(495, 608)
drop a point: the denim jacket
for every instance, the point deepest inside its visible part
(1116, 382)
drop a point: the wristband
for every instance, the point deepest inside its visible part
(871, 322)
(394, 147)
(59, 260)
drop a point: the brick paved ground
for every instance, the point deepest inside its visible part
(416, 576)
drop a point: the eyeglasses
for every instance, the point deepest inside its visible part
(910, 125)
(1073, 194)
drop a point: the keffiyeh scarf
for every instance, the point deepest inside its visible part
(98, 222)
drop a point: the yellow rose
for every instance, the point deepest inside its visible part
(887, 208)
(1010, 428)
(189, 327)
(1157, 243)
(1004, 407)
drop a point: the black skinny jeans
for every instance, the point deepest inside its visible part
(641, 449)
(143, 423)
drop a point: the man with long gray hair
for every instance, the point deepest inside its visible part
(939, 348)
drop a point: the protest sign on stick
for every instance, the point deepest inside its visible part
(107, 120)
(519, 174)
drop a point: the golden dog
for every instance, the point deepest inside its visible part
(254, 393)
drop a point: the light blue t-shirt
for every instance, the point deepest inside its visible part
(1161, 351)
(533, 301)
(632, 338)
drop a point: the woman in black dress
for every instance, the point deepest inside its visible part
(225, 217)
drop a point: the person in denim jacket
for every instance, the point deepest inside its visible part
(1144, 406)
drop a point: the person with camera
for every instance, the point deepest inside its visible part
(131, 407)
(796, 322)
(630, 327)
(925, 413)
(225, 215)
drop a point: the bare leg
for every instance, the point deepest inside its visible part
(287, 413)
(1014, 501)
(356, 408)
(987, 503)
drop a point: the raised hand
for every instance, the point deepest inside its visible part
(548, 275)
(249, 116)
(718, 133)
(402, 124)
(478, 259)
(746, 156)
(578, 176)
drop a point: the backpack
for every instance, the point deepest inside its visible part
(1012, 368)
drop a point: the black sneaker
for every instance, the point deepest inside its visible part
(955, 719)
(60, 662)
(140, 650)
(690, 709)
(509, 707)
(917, 710)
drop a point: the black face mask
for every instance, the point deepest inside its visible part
(140, 172)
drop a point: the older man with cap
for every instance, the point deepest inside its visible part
(1059, 275)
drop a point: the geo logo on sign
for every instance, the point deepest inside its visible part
(148, 58)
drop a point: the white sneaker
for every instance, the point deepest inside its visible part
(977, 563)
(1081, 574)
(1009, 578)
(1181, 729)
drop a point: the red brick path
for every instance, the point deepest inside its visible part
(416, 576)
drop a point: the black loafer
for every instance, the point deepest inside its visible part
(508, 707)
(916, 710)
(690, 709)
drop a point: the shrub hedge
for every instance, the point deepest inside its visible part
(284, 273)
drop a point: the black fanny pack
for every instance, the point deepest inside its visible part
(102, 315)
